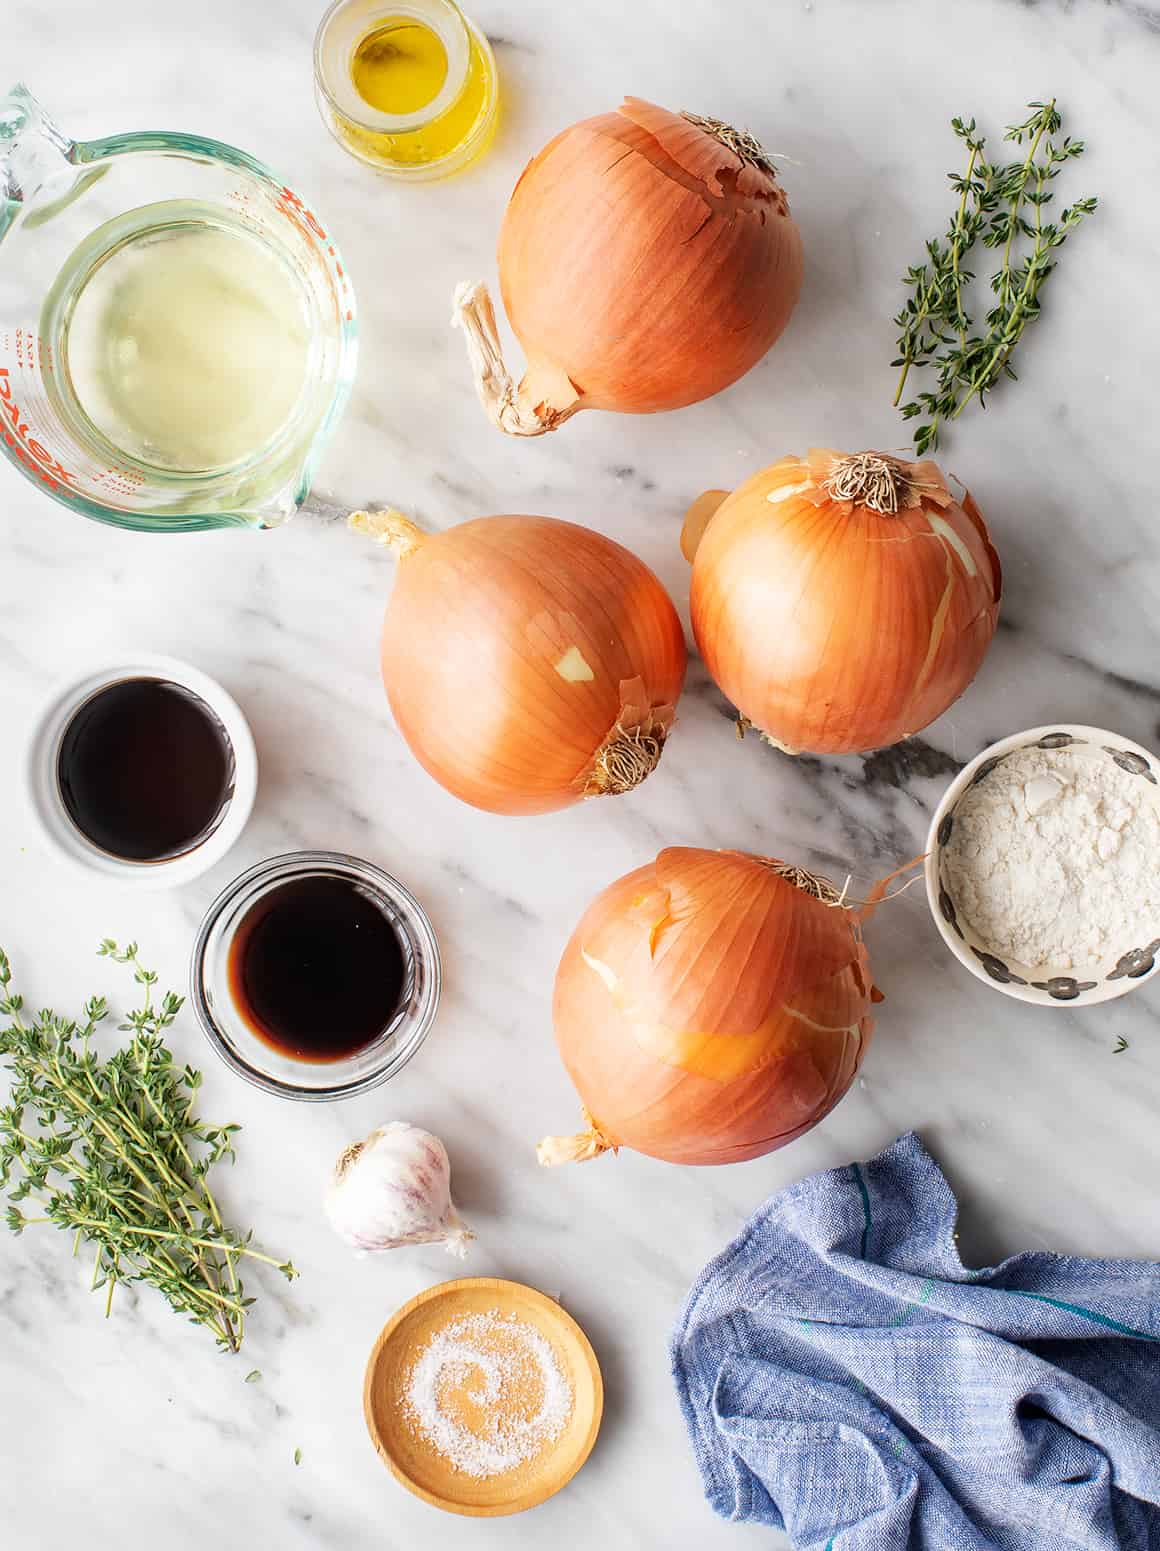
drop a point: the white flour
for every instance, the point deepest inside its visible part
(506, 1368)
(1054, 858)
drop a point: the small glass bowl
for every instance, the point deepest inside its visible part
(441, 138)
(260, 1063)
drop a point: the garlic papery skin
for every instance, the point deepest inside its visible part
(394, 1188)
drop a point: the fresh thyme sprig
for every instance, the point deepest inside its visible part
(111, 1151)
(1003, 207)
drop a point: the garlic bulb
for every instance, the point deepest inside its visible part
(394, 1188)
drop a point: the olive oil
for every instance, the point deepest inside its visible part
(412, 93)
(399, 67)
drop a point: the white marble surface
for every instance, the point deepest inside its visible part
(134, 1433)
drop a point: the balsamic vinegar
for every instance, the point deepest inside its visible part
(145, 770)
(317, 969)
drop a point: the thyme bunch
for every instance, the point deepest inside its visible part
(110, 1151)
(1003, 207)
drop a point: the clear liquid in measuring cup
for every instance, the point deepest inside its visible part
(180, 337)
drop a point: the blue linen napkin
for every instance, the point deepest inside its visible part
(845, 1378)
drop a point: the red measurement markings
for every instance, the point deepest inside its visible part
(14, 430)
(120, 482)
(309, 225)
(303, 217)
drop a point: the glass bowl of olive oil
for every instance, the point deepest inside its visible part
(407, 86)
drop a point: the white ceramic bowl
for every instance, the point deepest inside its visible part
(42, 784)
(1129, 965)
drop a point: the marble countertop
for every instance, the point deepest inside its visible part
(134, 1433)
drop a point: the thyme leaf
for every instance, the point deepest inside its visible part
(1003, 207)
(111, 1152)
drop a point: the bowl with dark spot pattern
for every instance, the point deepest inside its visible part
(1127, 965)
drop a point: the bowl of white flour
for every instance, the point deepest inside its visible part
(1043, 865)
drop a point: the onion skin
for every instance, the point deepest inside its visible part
(835, 628)
(708, 1011)
(644, 265)
(515, 649)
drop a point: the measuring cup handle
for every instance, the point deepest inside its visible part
(33, 152)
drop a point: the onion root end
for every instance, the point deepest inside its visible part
(625, 760)
(745, 146)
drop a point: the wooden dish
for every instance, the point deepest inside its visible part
(411, 1457)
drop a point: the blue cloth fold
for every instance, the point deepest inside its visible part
(845, 1378)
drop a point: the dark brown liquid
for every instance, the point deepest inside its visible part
(316, 969)
(145, 770)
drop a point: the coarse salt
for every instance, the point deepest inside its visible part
(500, 1372)
(1054, 858)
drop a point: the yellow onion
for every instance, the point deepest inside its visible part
(529, 662)
(710, 1007)
(647, 259)
(841, 601)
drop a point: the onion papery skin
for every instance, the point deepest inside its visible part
(515, 647)
(644, 265)
(835, 628)
(709, 1011)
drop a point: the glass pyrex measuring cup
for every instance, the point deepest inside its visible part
(103, 244)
